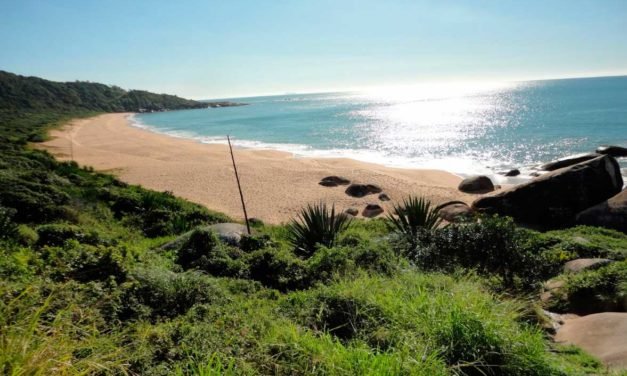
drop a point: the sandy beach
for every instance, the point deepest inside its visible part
(275, 184)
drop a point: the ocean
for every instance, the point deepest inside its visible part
(462, 128)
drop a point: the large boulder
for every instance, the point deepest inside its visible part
(603, 335)
(611, 150)
(333, 181)
(568, 161)
(554, 199)
(372, 210)
(512, 172)
(453, 211)
(611, 213)
(361, 190)
(579, 265)
(476, 184)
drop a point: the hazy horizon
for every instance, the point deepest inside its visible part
(206, 50)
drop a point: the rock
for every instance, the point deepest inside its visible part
(333, 181)
(568, 161)
(554, 199)
(614, 151)
(351, 211)
(552, 288)
(384, 197)
(513, 172)
(476, 184)
(535, 174)
(230, 233)
(361, 190)
(575, 266)
(453, 211)
(611, 213)
(604, 335)
(372, 210)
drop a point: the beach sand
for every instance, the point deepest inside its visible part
(275, 184)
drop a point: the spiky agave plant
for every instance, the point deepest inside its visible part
(413, 214)
(316, 224)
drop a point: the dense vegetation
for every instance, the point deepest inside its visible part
(97, 278)
(19, 93)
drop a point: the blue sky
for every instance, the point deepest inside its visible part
(212, 49)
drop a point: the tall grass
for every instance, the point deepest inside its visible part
(35, 341)
(317, 224)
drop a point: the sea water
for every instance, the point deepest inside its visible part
(465, 128)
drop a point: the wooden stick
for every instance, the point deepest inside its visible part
(239, 187)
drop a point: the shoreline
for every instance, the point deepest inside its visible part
(276, 184)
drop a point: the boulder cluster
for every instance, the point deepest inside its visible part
(583, 189)
(358, 190)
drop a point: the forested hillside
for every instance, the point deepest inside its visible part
(19, 93)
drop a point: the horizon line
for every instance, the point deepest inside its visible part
(365, 88)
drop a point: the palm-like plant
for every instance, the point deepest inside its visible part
(413, 214)
(316, 225)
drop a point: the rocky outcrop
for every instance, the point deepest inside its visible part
(611, 150)
(554, 199)
(372, 210)
(333, 181)
(603, 335)
(578, 265)
(361, 190)
(476, 184)
(610, 214)
(568, 161)
(453, 211)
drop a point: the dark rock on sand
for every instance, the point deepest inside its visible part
(384, 197)
(512, 172)
(351, 211)
(568, 161)
(361, 190)
(333, 181)
(372, 210)
(554, 199)
(611, 150)
(453, 211)
(476, 184)
(603, 335)
(611, 213)
(578, 265)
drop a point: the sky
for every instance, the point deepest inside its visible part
(220, 49)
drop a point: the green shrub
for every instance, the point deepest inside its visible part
(412, 215)
(492, 245)
(276, 269)
(592, 291)
(84, 262)
(58, 233)
(250, 243)
(8, 229)
(160, 293)
(316, 225)
(26, 235)
(203, 251)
